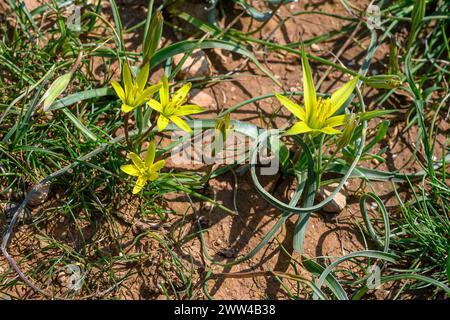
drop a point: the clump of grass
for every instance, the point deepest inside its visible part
(421, 232)
(75, 146)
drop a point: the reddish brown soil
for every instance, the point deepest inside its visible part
(327, 236)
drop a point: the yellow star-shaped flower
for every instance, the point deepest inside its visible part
(133, 93)
(318, 114)
(145, 170)
(173, 109)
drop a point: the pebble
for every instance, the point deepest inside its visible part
(39, 196)
(202, 99)
(315, 47)
(196, 65)
(337, 204)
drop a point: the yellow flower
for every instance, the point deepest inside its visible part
(144, 170)
(134, 93)
(318, 114)
(172, 110)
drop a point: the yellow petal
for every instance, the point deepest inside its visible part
(150, 155)
(119, 90)
(308, 85)
(130, 169)
(292, 107)
(330, 130)
(299, 127)
(335, 121)
(162, 122)
(189, 109)
(147, 93)
(341, 95)
(142, 76)
(158, 166)
(180, 96)
(164, 91)
(180, 123)
(126, 108)
(127, 78)
(153, 176)
(140, 183)
(155, 105)
(136, 160)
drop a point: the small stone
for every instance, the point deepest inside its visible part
(119, 132)
(315, 47)
(196, 65)
(375, 161)
(61, 278)
(337, 204)
(202, 99)
(290, 68)
(40, 195)
(207, 206)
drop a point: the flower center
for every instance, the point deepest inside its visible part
(319, 114)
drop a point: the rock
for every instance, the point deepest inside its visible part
(339, 201)
(207, 206)
(290, 68)
(196, 65)
(119, 132)
(202, 99)
(39, 196)
(315, 47)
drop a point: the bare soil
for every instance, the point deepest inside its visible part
(229, 236)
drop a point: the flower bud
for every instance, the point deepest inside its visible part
(153, 37)
(352, 122)
(383, 81)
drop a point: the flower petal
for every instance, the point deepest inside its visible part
(147, 93)
(330, 130)
(136, 160)
(150, 155)
(130, 169)
(142, 76)
(181, 123)
(299, 127)
(155, 105)
(189, 109)
(140, 184)
(162, 122)
(126, 108)
(158, 165)
(292, 107)
(153, 176)
(308, 85)
(336, 121)
(119, 90)
(127, 78)
(180, 96)
(341, 95)
(164, 92)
